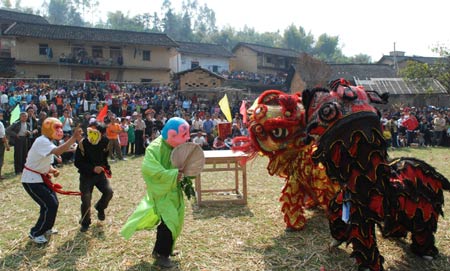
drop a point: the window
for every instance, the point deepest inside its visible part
(78, 51)
(194, 64)
(43, 49)
(268, 59)
(215, 68)
(146, 55)
(43, 76)
(97, 52)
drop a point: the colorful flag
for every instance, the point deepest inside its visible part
(243, 111)
(225, 107)
(102, 114)
(15, 114)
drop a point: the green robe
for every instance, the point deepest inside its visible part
(164, 198)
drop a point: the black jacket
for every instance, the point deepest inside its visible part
(13, 130)
(88, 156)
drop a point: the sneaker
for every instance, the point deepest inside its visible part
(84, 228)
(164, 262)
(51, 231)
(38, 239)
(124, 159)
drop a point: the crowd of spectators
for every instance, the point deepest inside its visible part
(137, 113)
(417, 127)
(265, 78)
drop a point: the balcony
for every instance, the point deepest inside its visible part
(90, 62)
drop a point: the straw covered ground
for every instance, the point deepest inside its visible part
(225, 237)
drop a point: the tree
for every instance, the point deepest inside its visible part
(186, 32)
(64, 13)
(297, 39)
(225, 37)
(170, 21)
(85, 6)
(326, 47)
(118, 20)
(361, 59)
(205, 24)
(7, 4)
(441, 69)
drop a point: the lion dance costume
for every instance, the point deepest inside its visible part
(401, 195)
(277, 130)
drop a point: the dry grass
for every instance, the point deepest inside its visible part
(224, 238)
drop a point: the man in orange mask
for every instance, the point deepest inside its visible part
(37, 165)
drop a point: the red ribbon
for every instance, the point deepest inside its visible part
(54, 186)
(107, 172)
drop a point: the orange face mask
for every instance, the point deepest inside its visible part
(52, 128)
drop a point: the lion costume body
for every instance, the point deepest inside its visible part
(401, 195)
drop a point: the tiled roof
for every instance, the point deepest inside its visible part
(422, 59)
(268, 50)
(382, 78)
(361, 71)
(203, 49)
(202, 69)
(397, 86)
(8, 16)
(63, 32)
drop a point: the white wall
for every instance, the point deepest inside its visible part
(184, 62)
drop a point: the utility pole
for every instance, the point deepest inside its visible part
(395, 61)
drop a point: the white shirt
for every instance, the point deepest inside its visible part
(42, 98)
(39, 159)
(2, 130)
(4, 99)
(199, 140)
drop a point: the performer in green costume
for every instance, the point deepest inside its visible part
(163, 205)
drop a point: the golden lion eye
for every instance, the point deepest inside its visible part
(280, 132)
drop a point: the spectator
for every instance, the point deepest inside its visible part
(18, 134)
(67, 122)
(208, 125)
(3, 144)
(200, 140)
(439, 127)
(123, 136)
(139, 126)
(219, 144)
(131, 136)
(425, 132)
(197, 124)
(33, 126)
(112, 133)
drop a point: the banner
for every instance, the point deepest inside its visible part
(224, 129)
(225, 107)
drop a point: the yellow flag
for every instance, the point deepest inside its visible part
(225, 107)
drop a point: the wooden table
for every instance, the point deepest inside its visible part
(219, 161)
